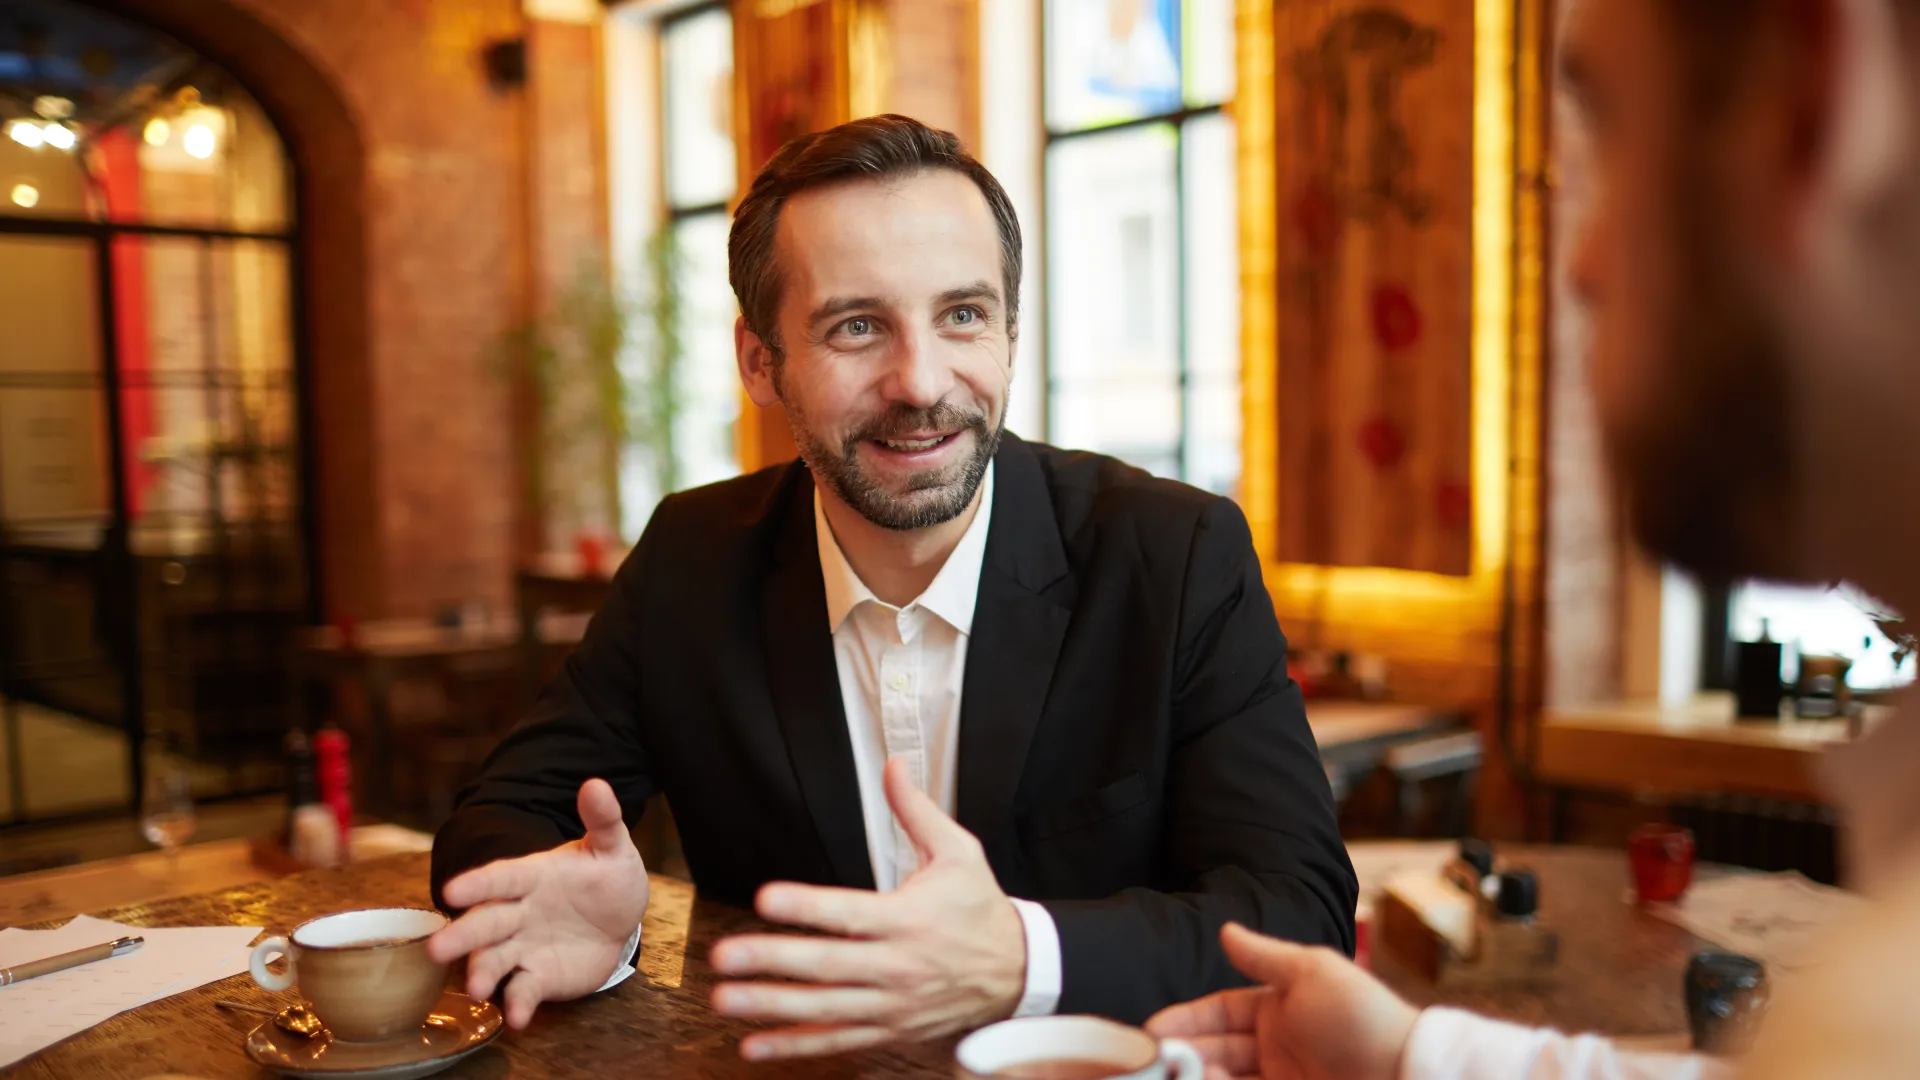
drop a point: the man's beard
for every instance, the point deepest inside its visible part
(1707, 460)
(933, 496)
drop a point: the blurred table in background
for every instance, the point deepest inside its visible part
(146, 877)
(492, 651)
(1692, 748)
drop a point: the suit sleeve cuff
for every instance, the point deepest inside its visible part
(1042, 994)
(629, 953)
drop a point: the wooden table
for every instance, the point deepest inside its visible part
(1354, 736)
(1694, 748)
(1622, 971)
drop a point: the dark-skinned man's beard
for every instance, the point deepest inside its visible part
(932, 496)
(1706, 463)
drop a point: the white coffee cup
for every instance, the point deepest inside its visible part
(1072, 1048)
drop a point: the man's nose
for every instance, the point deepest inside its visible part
(920, 375)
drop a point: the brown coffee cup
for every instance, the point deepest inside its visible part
(365, 974)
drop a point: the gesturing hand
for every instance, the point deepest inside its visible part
(1318, 1016)
(554, 923)
(944, 952)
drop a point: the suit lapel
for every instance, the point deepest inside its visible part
(1025, 603)
(805, 683)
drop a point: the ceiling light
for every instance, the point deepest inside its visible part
(27, 133)
(158, 131)
(59, 136)
(199, 141)
(26, 195)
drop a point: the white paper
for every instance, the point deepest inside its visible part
(36, 1013)
(1777, 919)
(1378, 862)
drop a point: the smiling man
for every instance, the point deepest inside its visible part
(1005, 729)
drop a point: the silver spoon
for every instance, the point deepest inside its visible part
(297, 1019)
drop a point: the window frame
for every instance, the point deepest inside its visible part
(1050, 137)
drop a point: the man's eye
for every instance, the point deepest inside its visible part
(966, 316)
(857, 327)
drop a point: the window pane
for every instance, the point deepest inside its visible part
(710, 402)
(1816, 621)
(1113, 285)
(1111, 60)
(698, 76)
(1210, 56)
(1213, 306)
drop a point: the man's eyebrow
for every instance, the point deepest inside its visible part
(840, 305)
(977, 290)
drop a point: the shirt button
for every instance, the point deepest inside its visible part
(900, 681)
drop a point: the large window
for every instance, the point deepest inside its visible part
(1142, 276)
(684, 192)
(1814, 621)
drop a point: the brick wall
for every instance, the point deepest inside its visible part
(419, 226)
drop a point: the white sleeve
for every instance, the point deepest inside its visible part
(1042, 994)
(620, 974)
(1450, 1044)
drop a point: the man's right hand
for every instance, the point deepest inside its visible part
(552, 924)
(1318, 1016)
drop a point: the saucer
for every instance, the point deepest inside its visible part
(457, 1027)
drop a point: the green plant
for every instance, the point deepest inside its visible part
(602, 368)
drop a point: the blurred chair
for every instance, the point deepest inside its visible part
(1452, 761)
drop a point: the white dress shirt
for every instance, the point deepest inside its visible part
(901, 672)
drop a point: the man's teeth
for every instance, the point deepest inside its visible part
(910, 445)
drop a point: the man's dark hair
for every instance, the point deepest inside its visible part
(874, 148)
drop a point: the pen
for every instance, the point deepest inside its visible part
(51, 964)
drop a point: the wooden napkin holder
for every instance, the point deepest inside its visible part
(1456, 939)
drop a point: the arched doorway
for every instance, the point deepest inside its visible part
(155, 531)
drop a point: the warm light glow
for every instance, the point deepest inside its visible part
(59, 136)
(53, 107)
(199, 141)
(158, 131)
(26, 195)
(27, 133)
(1394, 607)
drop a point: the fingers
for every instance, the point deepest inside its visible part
(847, 912)
(931, 830)
(1278, 964)
(524, 994)
(600, 812)
(801, 1004)
(488, 967)
(1235, 1055)
(820, 960)
(1229, 1011)
(503, 879)
(488, 924)
(810, 1042)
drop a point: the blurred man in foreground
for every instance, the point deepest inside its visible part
(1751, 258)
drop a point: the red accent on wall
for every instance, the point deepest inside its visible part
(1396, 318)
(1382, 441)
(120, 179)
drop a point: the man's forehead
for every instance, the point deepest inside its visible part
(899, 236)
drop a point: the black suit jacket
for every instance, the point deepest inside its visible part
(1132, 752)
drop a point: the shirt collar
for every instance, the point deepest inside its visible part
(954, 592)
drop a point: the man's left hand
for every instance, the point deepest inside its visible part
(943, 953)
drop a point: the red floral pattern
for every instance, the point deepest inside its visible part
(1383, 443)
(1396, 318)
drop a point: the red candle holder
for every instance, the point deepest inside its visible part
(1662, 859)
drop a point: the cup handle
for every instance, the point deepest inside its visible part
(257, 964)
(1182, 1060)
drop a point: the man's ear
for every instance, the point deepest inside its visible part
(756, 362)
